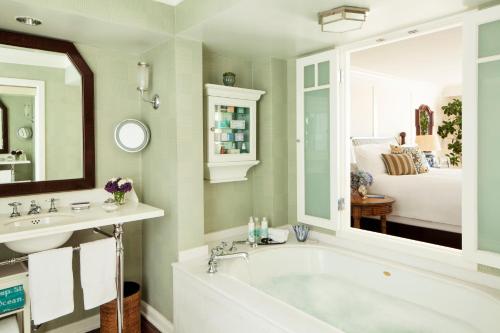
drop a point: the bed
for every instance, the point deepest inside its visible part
(431, 200)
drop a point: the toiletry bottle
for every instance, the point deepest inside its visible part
(257, 228)
(264, 228)
(251, 231)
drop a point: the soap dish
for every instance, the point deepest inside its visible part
(109, 205)
(80, 205)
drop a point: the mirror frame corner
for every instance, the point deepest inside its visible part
(28, 41)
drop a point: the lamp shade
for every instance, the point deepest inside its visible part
(142, 76)
(428, 142)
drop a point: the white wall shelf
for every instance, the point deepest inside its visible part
(230, 132)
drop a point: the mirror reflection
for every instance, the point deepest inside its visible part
(41, 116)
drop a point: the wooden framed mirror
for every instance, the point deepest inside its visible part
(4, 127)
(47, 92)
(424, 120)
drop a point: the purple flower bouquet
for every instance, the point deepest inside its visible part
(118, 187)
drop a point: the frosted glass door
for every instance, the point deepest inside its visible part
(488, 106)
(316, 107)
(317, 153)
(481, 136)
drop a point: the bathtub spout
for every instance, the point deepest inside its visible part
(217, 255)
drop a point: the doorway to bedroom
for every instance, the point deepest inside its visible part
(404, 102)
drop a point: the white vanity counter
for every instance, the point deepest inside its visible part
(65, 219)
(69, 220)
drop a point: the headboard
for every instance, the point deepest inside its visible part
(358, 141)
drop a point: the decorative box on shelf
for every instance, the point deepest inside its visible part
(231, 143)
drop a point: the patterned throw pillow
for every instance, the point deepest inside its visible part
(418, 157)
(399, 164)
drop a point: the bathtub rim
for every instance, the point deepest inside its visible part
(247, 288)
(490, 292)
(191, 268)
(454, 267)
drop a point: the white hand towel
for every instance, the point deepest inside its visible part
(278, 235)
(98, 272)
(9, 325)
(51, 284)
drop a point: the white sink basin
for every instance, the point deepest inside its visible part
(40, 243)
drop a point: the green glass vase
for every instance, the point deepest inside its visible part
(119, 197)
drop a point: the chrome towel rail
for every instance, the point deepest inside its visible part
(118, 235)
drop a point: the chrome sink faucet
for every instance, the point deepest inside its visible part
(34, 208)
(53, 208)
(217, 254)
(15, 211)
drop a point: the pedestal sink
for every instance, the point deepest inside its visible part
(43, 243)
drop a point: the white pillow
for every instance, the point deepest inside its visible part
(369, 157)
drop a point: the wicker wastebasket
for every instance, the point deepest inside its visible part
(131, 311)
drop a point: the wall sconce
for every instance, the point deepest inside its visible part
(143, 84)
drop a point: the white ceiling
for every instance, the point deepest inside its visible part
(78, 28)
(434, 58)
(287, 28)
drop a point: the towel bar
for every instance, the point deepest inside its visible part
(16, 260)
(118, 235)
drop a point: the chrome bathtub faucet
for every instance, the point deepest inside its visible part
(34, 208)
(217, 254)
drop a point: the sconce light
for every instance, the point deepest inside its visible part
(143, 84)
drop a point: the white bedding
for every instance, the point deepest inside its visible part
(433, 197)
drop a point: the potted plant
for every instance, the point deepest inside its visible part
(118, 187)
(452, 128)
(360, 181)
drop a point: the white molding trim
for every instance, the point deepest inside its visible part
(196, 252)
(156, 318)
(39, 121)
(365, 241)
(233, 92)
(81, 326)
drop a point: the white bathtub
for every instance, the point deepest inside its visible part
(316, 289)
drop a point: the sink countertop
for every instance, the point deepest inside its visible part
(94, 217)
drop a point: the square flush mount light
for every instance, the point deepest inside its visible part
(342, 19)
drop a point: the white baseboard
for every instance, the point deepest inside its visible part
(156, 318)
(81, 326)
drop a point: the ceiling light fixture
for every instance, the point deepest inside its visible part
(28, 20)
(342, 19)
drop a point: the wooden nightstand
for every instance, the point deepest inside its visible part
(371, 207)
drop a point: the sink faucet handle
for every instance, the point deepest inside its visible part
(53, 208)
(14, 205)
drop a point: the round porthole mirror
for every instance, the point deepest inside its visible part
(132, 135)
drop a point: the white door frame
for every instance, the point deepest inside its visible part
(333, 85)
(38, 124)
(470, 129)
(361, 240)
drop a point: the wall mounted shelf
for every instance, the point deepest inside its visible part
(230, 139)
